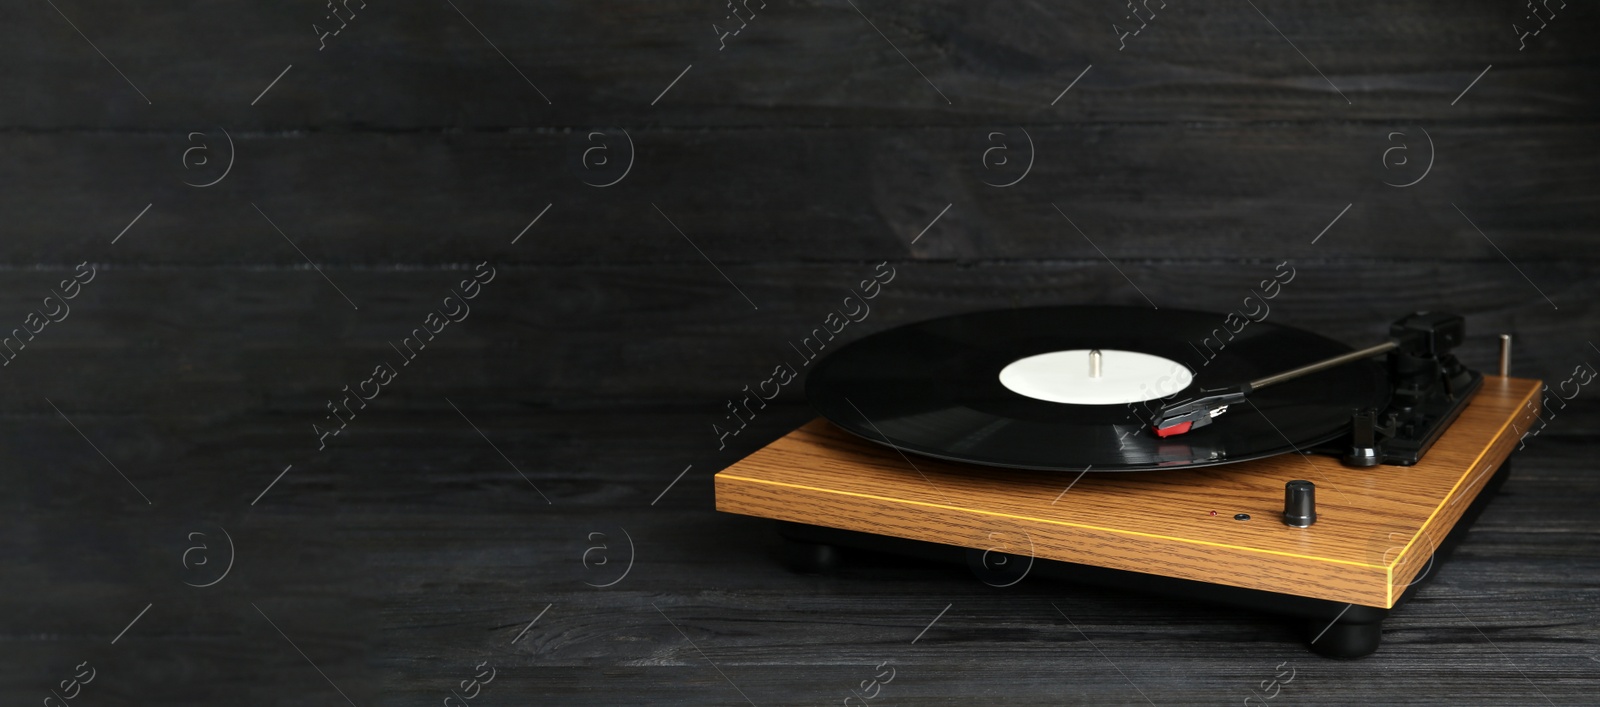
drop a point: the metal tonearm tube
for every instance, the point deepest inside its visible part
(1181, 416)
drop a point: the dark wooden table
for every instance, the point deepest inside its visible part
(390, 567)
(270, 213)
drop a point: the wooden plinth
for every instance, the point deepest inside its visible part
(1377, 527)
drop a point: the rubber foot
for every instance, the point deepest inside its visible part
(810, 558)
(1343, 641)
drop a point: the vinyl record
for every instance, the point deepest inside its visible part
(936, 388)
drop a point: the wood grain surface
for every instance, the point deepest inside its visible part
(1376, 527)
(1222, 192)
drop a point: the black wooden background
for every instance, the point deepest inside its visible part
(268, 212)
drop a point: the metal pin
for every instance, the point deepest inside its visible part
(1094, 363)
(1505, 355)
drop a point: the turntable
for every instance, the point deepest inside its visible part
(1175, 452)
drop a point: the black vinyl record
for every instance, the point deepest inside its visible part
(934, 388)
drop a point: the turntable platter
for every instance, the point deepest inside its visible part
(1016, 388)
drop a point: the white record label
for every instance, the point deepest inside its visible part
(1067, 377)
